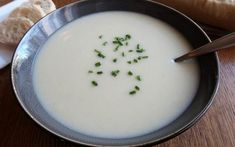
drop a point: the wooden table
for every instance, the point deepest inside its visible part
(215, 129)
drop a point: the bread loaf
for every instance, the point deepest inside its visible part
(220, 13)
(32, 12)
(12, 29)
(22, 18)
(46, 5)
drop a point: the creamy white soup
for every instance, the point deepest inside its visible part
(111, 74)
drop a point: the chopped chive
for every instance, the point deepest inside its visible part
(130, 73)
(105, 43)
(97, 64)
(144, 57)
(115, 73)
(99, 72)
(115, 60)
(123, 54)
(119, 39)
(94, 83)
(138, 78)
(129, 62)
(128, 36)
(116, 48)
(140, 50)
(99, 53)
(137, 88)
(115, 42)
(132, 92)
(118, 42)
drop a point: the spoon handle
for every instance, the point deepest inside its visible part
(218, 44)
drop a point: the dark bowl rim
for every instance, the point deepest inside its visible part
(156, 141)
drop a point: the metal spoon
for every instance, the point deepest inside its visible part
(218, 44)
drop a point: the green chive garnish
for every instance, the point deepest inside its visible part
(123, 54)
(135, 60)
(99, 72)
(118, 42)
(94, 83)
(105, 43)
(128, 36)
(115, 73)
(99, 54)
(97, 64)
(138, 78)
(115, 60)
(129, 62)
(97, 51)
(132, 92)
(144, 57)
(116, 48)
(130, 73)
(140, 50)
(137, 88)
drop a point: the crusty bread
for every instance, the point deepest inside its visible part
(46, 5)
(22, 18)
(12, 29)
(219, 13)
(32, 12)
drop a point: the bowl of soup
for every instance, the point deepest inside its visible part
(102, 72)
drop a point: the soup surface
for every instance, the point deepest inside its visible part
(103, 104)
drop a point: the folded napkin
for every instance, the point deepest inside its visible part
(220, 13)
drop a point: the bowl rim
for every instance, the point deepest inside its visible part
(154, 141)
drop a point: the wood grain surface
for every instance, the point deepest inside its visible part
(215, 129)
